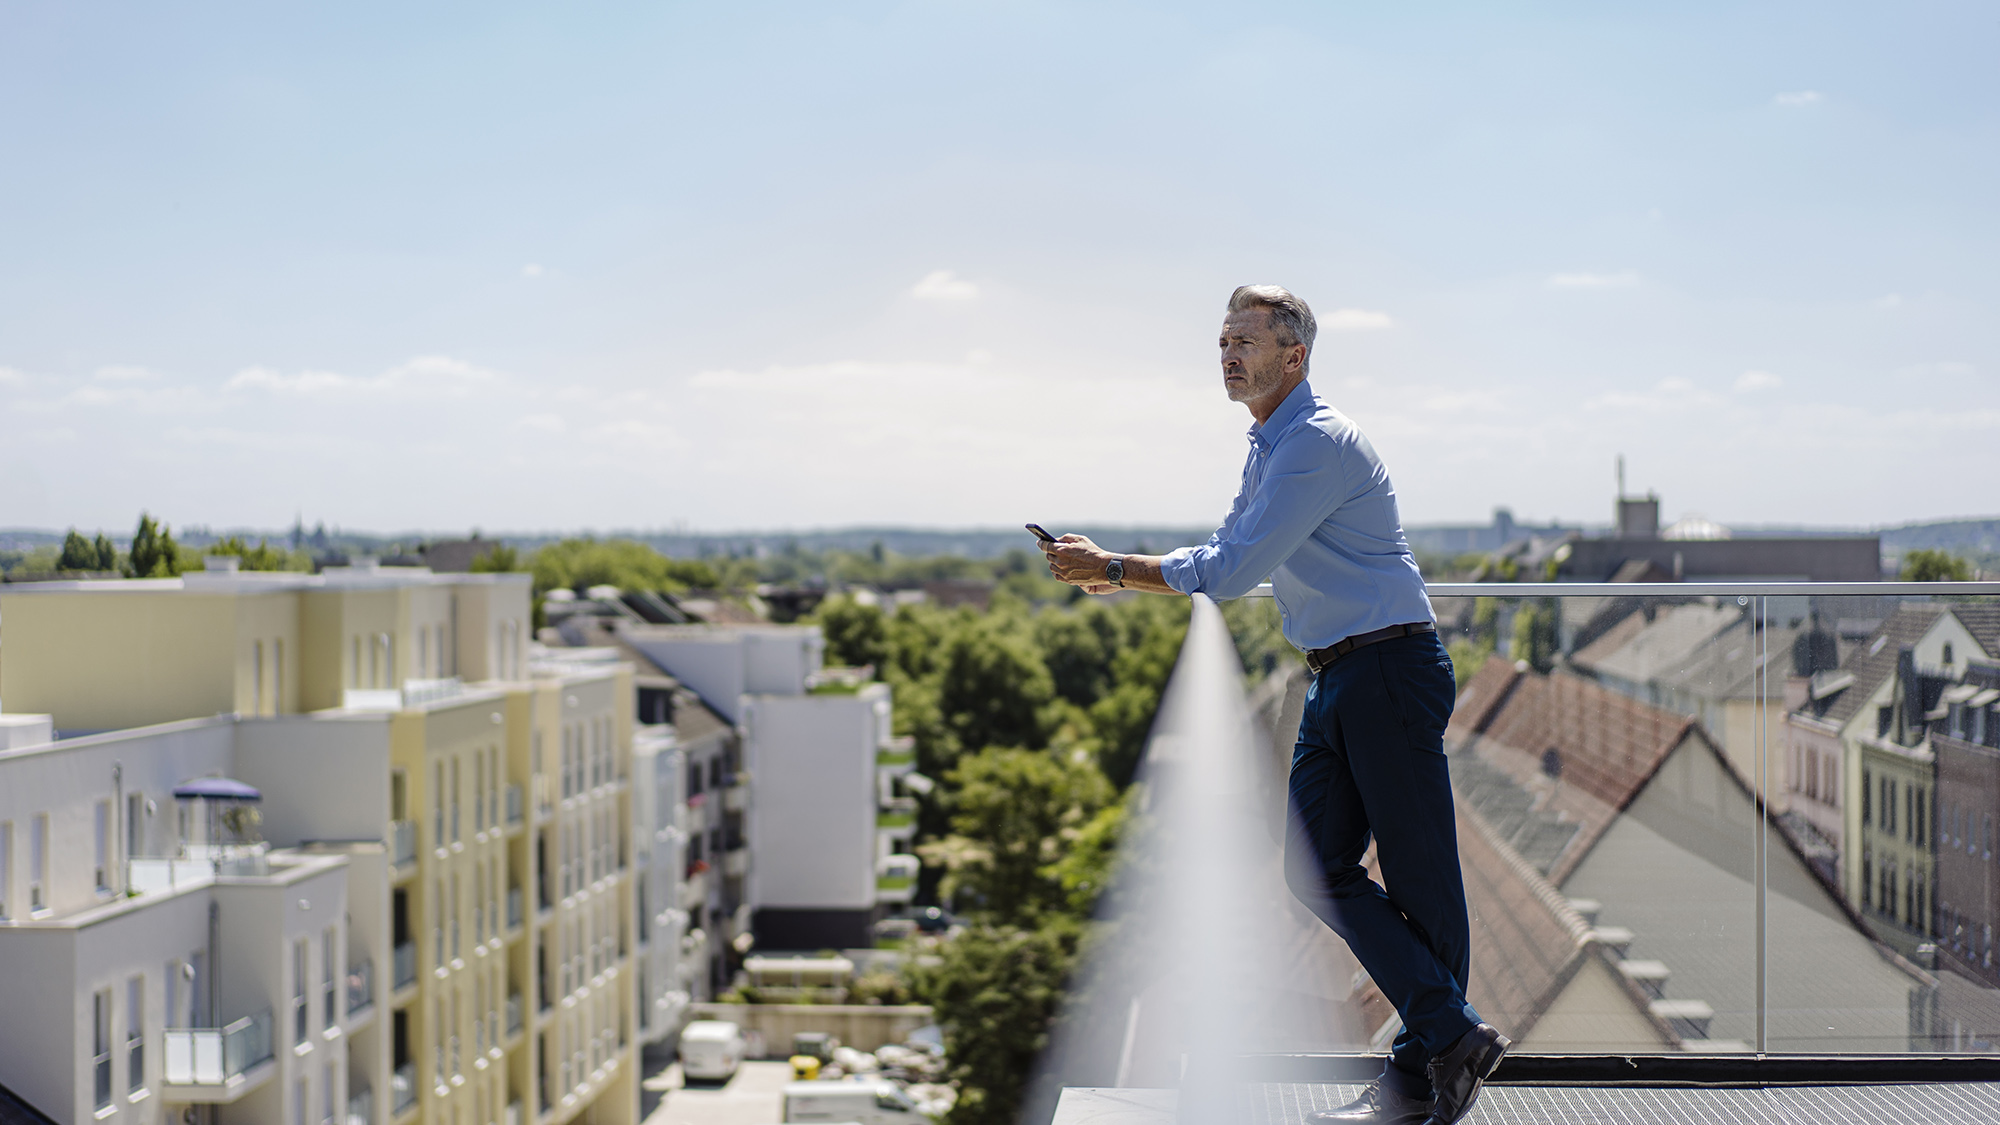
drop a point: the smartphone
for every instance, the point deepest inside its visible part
(1040, 534)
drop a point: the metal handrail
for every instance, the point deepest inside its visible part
(1699, 589)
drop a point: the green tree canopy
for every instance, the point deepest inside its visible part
(78, 553)
(856, 634)
(1015, 815)
(992, 686)
(497, 559)
(1927, 565)
(154, 553)
(578, 564)
(261, 557)
(997, 991)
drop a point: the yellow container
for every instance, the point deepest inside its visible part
(805, 1068)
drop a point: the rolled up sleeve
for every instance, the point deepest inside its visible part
(1302, 486)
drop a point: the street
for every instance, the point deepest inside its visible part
(753, 1097)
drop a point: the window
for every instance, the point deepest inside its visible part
(437, 808)
(1919, 819)
(100, 1047)
(479, 792)
(135, 825)
(1889, 804)
(301, 957)
(453, 904)
(135, 1035)
(388, 660)
(443, 905)
(1867, 880)
(101, 846)
(299, 1102)
(455, 837)
(38, 863)
(278, 676)
(329, 1081)
(6, 866)
(329, 952)
(1947, 652)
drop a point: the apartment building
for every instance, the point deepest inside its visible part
(466, 808)
(820, 799)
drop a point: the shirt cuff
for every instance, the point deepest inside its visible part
(1177, 570)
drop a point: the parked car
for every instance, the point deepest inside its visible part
(864, 1103)
(711, 1050)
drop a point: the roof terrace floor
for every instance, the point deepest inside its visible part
(1288, 1103)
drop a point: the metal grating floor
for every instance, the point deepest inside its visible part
(1288, 1103)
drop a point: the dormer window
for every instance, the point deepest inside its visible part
(1947, 653)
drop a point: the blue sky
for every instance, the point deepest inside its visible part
(758, 266)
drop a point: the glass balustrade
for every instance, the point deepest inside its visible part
(213, 1056)
(361, 986)
(1691, 819)
(405, 965)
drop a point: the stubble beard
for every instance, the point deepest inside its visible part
(1257, 382)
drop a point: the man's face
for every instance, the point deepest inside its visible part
(1253, 362)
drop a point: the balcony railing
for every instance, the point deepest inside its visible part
(514, 1010)
(402, 842)
(513, 908)
(514, 811)
(403, 1088)
(1747, 806)
(360, 1105)
(405, 966)
(216, 1056)
(361, 986)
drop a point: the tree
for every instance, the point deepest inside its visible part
(1927, 565)
(497, 559)
(856, 634)
(261, 557)
(77, 553)
(997, 991)
(1535, 634)
(1015, 814)
(107, 553)
(1124, 716)
(578, 564)
(1077, 646)
(154, 553)
(992, 686)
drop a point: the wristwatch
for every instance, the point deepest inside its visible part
(1114, 572)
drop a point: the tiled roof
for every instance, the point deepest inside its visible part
(1480, 698)
(1982, 620)
(1875, 660)
(1663, 647)
(1528, 941)
(1608, 745)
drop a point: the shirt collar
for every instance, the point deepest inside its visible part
(1297, 403)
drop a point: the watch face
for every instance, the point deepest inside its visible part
(1115, 571)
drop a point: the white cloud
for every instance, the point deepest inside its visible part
(1356, 320)
(424, 376)
(531, 270)
(12, 378)
(545, 423)
(1593, 280)
(1889, 301)
(943, 285)
(1798, 99)
(1751, 381)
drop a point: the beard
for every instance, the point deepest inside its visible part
(1257, 382)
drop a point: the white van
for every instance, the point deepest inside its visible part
(865, 1103)
(711, 1050)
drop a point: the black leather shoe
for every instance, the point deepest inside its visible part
(1377, 1105)
(1457, 1074)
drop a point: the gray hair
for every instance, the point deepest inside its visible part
(1291, 316)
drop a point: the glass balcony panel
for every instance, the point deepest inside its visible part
(513, 908)
(403, 1088)
(513, 805)
(361, 986)
(361, 1106)
(403, 842)
(405, 965)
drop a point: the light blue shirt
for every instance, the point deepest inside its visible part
(1316, 513)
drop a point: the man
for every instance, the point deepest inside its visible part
(1316, 513)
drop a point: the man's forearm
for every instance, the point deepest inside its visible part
(1142, 572)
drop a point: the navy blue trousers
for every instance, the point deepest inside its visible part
(1370, 763)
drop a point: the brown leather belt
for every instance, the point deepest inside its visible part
(1320, 659)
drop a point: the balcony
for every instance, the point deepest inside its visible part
(360, 1105)
(515, 1009)
(360, 987)
(1656, 786)
(402, 842)
(405, 966)
(736, 863)
(402, 1089)
(217, 1064)
(514, 907)
(896, 879)
(514, 807)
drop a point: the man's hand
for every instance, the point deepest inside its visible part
(1076, 560)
